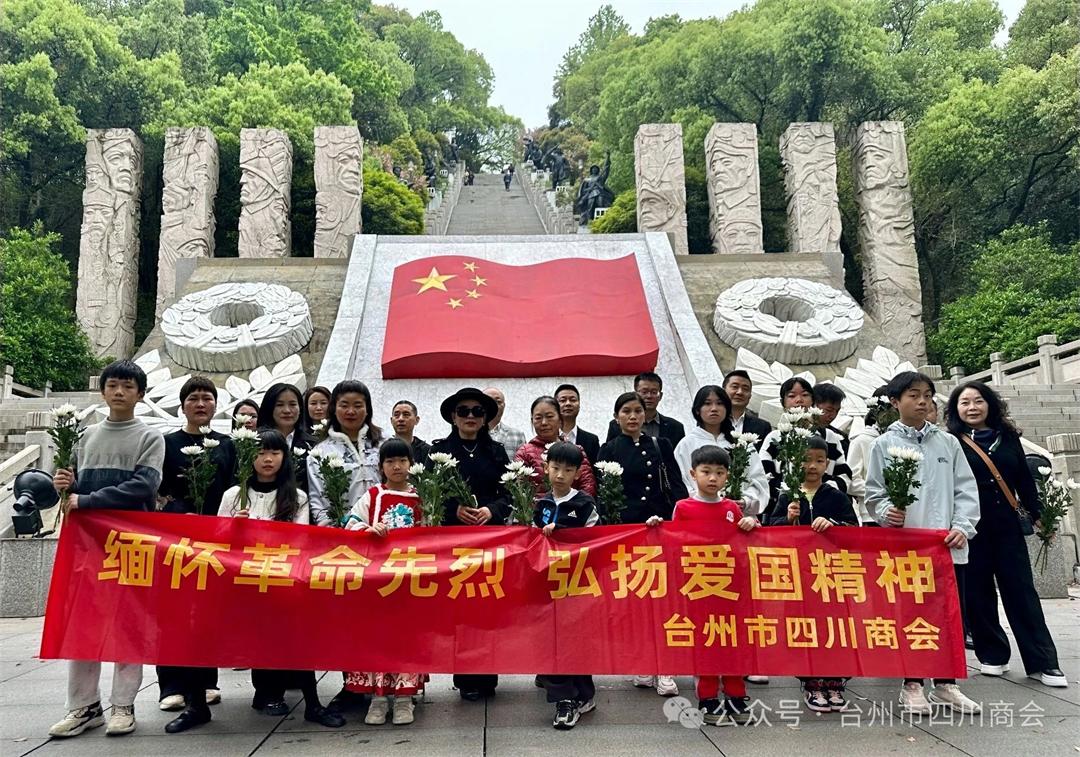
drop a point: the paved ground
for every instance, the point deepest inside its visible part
(487, 208)
(1020, 717)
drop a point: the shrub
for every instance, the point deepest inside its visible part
(39, 335)
(389, 206)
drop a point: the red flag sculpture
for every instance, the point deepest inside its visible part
(460, 317)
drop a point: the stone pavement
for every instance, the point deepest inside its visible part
(1020, 716)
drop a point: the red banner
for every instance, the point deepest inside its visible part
(454, 316)
(682, 598)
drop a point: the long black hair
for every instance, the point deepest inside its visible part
(702, 397)
(266, 409)
(288, 500)
(997, 415)
(354, 387)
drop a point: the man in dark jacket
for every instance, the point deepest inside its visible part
(404, 417)
(569, 400)
(740, 389)
(651, 388)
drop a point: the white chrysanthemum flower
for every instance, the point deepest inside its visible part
(244, 434)
(1072, 484)
(317, 428)
(416, 469)
(805, 433)
(210, 443)
(784, 425)
(1044, 471)
(905, 453)
(443, 459)
(205, 430)
(609, 467)
(814, 412)
(508, 478)
(516, 465)
(299, 451)
(335, 461)
(192, 450)
(66, 410)
(747, 439)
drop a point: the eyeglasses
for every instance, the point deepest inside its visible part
(476, 411)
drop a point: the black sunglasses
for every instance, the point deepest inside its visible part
(476, 411)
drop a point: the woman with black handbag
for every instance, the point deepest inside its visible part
(1009, 504)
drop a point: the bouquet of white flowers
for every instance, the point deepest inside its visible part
(901, 476)
(299, 461)
(336, 479)
(320, 430)
(609, 490)
(522, 492)
(795, 430)
(740, 464)
(65, 434)
(247, 447)
(437, 483)
(1056, 499)
(201, 469)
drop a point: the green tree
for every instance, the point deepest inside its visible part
(1024, 286)
(39, 335)
(621, 217)
(1043, 29)
(389, 206)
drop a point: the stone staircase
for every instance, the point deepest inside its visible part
(1043, 410)
(487, 208)
(13, 416)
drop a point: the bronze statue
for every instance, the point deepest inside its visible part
(593, 192)
(534, 153)
(558, 165)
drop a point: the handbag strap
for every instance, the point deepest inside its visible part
(993, 472)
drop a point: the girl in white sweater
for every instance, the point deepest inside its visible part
(272, 494)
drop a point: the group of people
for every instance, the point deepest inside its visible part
(973, 478)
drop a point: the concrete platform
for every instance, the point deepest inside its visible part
(1020, 716)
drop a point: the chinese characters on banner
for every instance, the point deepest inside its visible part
(681, 598)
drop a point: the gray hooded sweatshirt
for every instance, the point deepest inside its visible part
(947, 497)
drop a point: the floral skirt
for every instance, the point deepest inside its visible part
(385, 684)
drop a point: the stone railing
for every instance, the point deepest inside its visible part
(555, 219)
(1052, 364)
(10, 389)
(442, 204)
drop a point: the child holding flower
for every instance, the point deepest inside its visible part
(946, 497)
(386, 506)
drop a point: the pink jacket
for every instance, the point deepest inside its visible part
(532, 453)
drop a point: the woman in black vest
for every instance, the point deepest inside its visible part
(481, 461)
(979, 418)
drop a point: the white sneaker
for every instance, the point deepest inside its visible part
(913, 700)
(376, 714)
(666, 686)
(121, 721)
(762, 680)
(213, 696)
(950, 694)
(993, 670)
(644, 682)
(172, 703)
(77, 721)
(403, 710)
(583, 707)
(1053, 678)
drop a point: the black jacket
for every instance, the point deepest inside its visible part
(752, 424)
(590, 443)
(1008, 456)
(174, 485)
(578, 511)
(420, 450)
(647, 464)
(829, 502)
(670, 429)
(481, 468)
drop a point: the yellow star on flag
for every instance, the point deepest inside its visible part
(473, 294)
(454, 304)
(433, 281)
(470, 267)
(479, 281)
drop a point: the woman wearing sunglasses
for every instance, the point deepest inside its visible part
(481, 461)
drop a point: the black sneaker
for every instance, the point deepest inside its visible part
(275, 709)
(343, 701)
(566, 715)
(837, 702)
(712, 711)
(188, 719)
(583, 707)
(737, 709)
(817, 701)
(324, 717)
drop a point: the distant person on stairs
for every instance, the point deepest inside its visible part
(507, 178)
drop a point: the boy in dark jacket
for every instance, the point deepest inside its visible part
(566, 507)
(821, 507)
(117, 465)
